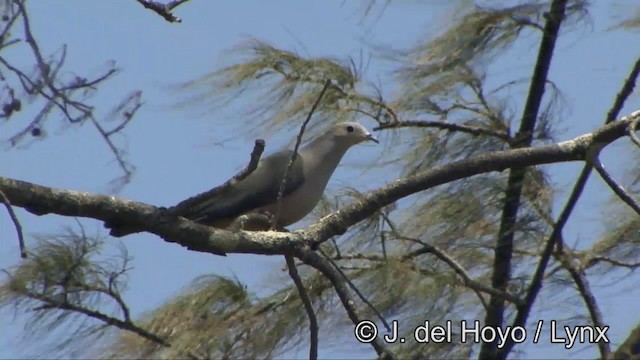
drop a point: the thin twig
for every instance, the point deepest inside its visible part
(590, 302)
(60, 97)
(625, 92)
(474, 285)
(443, 125)
(457, 268)
(308, 306)
(121, 162)
(336, 248)
(319, 263)
(617, 188)
(295, 153)
(357, 291)
(16, 223)
(468, 281)
(597, 259)
(632, 132)
(120, 324)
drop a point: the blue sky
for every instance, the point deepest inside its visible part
(176, 152)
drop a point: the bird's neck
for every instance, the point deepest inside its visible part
(325, 153)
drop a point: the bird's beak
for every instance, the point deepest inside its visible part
(372, 138)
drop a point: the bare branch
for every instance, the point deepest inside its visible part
(164, 10)
(120, 324)
(504, 243)
(16, 223)
(589, 299)
(556, 235)
(60, 97)
(476, 286)
(617, 188)
(597, 259)
(632, 132)
(294, 154)
(357, 291)
(308, 306)
(445, 257)
(625, 92)
(468, 281)
(473, 130)
(314, 260)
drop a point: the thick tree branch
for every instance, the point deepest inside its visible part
(504, 244)
(43, 200)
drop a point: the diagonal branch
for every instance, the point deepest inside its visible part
(476, 286)
(308, 306)
(109, 320)
(617, 188)
(314, 260)
(594, 260)
(504, 244)
(443, 125)
(556, 235)
(294, 154)
(589, 299)
(357, 291)
(16, 223)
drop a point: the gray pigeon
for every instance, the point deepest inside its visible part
(306, 180)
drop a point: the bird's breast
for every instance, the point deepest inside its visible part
(298, 204)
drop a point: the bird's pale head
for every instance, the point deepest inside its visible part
(351, 133)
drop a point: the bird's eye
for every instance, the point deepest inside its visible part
(350, 128)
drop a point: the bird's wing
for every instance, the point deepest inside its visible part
(258, 189)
